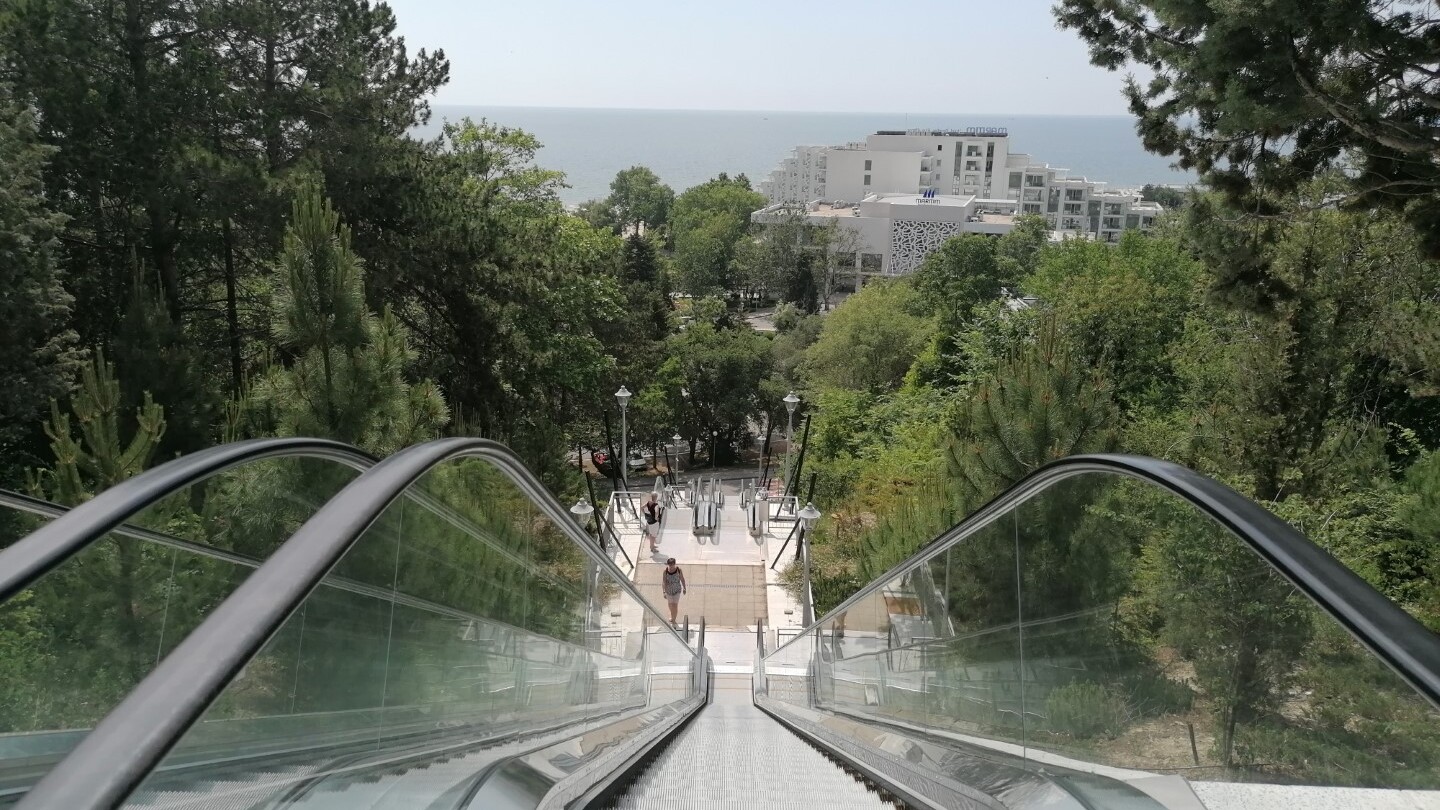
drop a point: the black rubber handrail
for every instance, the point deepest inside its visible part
(1394, 636)
(43, 549)
(111, 761)
(43, 508)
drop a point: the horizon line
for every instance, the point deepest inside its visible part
(435, 105)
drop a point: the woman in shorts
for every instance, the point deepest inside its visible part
(672, 581)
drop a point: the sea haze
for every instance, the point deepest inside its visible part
(687, 147)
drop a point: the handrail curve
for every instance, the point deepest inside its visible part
(42, 550)
(1399, 640)
(112, 761)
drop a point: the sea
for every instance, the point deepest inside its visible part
(688, 147)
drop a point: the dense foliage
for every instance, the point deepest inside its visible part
(1314, 403)
(1261, 97)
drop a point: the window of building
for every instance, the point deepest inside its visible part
(1110, 224)
(1054, 204)
(1073, 208)
(1132, 221)
(1032, 208)
(971, 179)
(867, 177)
(1035, 180)
(972, 150)
(867, 165)
(870, 261)
(1094, 208)
(1034, 195)
(1114, 208)
(1014, 179)
(1074, 194)
(1146, 222)
(845, 259)
(972, 165)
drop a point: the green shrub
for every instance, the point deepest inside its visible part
(1085, 710)
(1150, 695)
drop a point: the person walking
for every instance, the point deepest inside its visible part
(653, 511)
(672, 580)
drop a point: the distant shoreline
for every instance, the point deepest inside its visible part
(688, 147)
(435, 107)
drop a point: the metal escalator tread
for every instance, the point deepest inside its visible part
(734, 755)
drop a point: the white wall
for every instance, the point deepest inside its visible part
(843, 172)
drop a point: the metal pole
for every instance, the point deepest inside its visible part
(760, 462)
(789, 439)
(807, 610)
(799, 463)
(765, 453)
(624, 456)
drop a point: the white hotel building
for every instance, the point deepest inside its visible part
(883, 188)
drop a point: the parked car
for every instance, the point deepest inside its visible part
(601, 460)
(637, 461)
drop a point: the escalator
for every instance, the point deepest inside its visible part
(439, 633)
(732, 742)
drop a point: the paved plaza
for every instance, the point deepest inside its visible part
(731, 583)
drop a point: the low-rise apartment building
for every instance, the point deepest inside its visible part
(971, 163)
(893, 233)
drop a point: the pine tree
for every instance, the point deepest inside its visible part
(38, 355)
(99, 458)
(645, 291)
(1037, 407)
(348, 379)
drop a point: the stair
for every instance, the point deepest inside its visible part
(735, 756)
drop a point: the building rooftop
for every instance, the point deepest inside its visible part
(826, 209)
(968, 132)
(920, 199)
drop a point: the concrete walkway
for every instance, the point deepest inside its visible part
(730, 581)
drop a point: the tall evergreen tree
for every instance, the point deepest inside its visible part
(38, 355)
(1262, 97)
(646, 287)
(1040, 405)
(349, 377)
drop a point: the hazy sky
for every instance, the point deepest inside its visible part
(960, 56)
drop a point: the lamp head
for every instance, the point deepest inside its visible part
(623, 397)
(808, 516)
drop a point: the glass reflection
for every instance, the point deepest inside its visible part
(1107, 623)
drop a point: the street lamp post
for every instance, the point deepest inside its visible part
(623, 397)
(791, 403)
(582, 512)
(808, 516)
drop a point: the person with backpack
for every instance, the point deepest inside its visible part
(672, 581)
(653, 512)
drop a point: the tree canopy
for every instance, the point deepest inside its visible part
(707, 223)
(1261, 98)
(638, 197)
